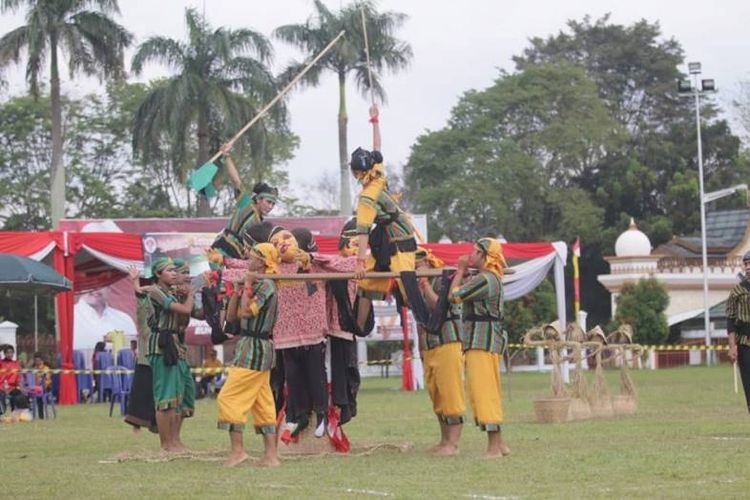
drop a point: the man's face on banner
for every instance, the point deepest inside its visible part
(96, 298)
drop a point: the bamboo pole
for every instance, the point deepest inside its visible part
(281, 94)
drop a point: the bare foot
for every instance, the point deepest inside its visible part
(180, 448)
(504, 449)
(236, 459)
(269, 462)
(447, 450)
(434, 448)
(489, 454)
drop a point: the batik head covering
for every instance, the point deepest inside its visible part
(494, 260)
(160, 265)
(348, 238)
(425, 255)
(263, 191)
(305, 239)
(270, 256)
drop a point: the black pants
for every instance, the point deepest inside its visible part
(305, 371)
(743, 363)
(344, 376)
(277, 382)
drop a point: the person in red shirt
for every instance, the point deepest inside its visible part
(10, 378)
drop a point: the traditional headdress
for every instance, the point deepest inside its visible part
(494, 260)
(263, 191)
(305, 239)
(161, 264)
(425, 255)
(270, 256)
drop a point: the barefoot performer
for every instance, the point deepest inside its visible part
(140, 410)
(169, 384)
(484, 339)
(443, 362)
(247, 389)
(391, 242)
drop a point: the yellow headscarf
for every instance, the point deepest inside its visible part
(425, 255)
(494, 260)
(377, 171)
(270, 256)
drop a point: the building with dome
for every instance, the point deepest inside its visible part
(678, 266)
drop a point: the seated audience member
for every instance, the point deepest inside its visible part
(42, 381)
(206, 378)
(9, 379)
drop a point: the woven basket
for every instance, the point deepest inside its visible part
(624, 405)
(579, 409)
(552, 410)
(602, 408)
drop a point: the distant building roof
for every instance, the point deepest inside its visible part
(724, 231)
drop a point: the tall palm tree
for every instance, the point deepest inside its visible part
(221, 76)
(94, 44)
(348, 58)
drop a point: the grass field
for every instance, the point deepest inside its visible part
(690, 438)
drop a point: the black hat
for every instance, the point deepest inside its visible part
(305, 239)
(362, 160)
(260, 233)
(347, 233)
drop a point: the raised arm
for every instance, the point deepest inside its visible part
(232, 172)
(375, 120)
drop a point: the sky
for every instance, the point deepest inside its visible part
(457, 46)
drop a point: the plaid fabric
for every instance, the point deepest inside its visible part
(482, 296)
(263, 307)
(245, 215)
(452, 328)
(144, 315)
(163, 319)
(738, 309)
(253, 353)
(376, 205)
(183, 321)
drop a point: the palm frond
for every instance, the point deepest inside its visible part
(106, 40)
(160, 50)
(247, 41)
(11, 45)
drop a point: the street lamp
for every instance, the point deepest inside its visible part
(686, 87)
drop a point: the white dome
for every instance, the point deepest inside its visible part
(632, 243)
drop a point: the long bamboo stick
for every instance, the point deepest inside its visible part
(421, 273)
(281, 94)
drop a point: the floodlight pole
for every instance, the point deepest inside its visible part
(695, 71)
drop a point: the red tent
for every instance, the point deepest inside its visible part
(89, 261)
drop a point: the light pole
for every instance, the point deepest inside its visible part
(685, 87)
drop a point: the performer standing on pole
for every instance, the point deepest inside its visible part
(484, 339)
(391, 242)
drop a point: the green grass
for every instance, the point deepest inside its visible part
(690, 438)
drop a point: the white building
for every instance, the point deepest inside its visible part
(678, 266)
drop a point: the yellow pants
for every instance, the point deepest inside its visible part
(247, 391)
(485, 392)
(377, 289)
(444, 378)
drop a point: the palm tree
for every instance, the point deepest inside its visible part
(221, 75)
(348, 57)
(94, 44)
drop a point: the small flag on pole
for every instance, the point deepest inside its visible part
(576, 247)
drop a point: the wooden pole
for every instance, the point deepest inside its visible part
(421, 273)
(281, 94)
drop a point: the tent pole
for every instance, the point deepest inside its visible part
(36, 323)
